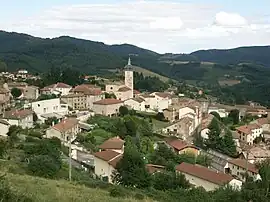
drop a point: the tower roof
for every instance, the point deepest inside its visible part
(129, 65)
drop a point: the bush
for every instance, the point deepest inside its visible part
(117, 192)
(139, 196)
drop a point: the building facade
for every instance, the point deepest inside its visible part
(107, 107)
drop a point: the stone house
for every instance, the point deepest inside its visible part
(67, 130)
(248, 133)
(115, 144)
(75, 101)
(137, 104)
(107, 107)
(23, 118)
(31, 92)
(182, 147)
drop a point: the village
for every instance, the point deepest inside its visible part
(70, 113)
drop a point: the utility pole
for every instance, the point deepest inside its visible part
(69, 174)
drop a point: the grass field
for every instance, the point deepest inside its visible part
(45, 190)
(146, 72)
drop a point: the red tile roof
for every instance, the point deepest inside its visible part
(178, 144)
(151, 168)
(242, 163)
(17, 114)
(262, 121)
(87, 89)
(66, 124)
(204, 173)
(62, 85)
(112, 143)
(109, 101)
(110, 156)
(247, 129)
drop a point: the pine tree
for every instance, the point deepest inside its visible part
(229, 144)
(214, 140)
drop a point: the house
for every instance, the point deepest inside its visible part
(23, 118)
(75, 101)
(31, 92)
(255, 154)
(4, 127)
(107, 107)
(92, 93)
(248, 133)
(49, 108)
(115, 144)
(239, 167)
(4, 97)
(136, 93)
(137, 103)
(210, 180)
(171, 114)
(150, 101)
(67, 130)
(105, 163)
(57, 89)
(193, 112)
(164, 100)
(264, 123)
(181, 147)
(183, 128)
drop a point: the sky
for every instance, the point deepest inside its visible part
(164, 26)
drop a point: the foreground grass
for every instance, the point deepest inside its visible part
(45, 190)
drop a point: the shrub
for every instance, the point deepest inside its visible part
(139, 196)
(117, 192)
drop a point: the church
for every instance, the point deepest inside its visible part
(123, 91)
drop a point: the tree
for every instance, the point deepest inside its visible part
(214, 140)
(51, 120)
(131, 170)
(3, 148)
(169, 181)
(16, 92)
(44, 166)
(110, 95)
(234, 115)
(123, 110)
(229, 146)
(215, 114)
(160, 116)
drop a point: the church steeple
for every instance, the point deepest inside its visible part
(129, 61)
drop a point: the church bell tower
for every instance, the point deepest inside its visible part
(129, 75)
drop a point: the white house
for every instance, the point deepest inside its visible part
(164, 100)
(137, 104)
(50, 106)
(105, 163)
(66, 130)
(23, 118)
(150, 102)
(4, 127)
(107, 107)
(210, 180)
(192, 112)
(58, 88)
(248, 133)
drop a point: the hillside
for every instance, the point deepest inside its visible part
(45, 190)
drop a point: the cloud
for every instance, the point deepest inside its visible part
(230, 19)
(162, 26)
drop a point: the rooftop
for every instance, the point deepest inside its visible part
(110, 156)
(247, 129)
(178, 144)
(109, 101)
(204, 173)
(66, 124)
(151, 168)
(124, 89)
(73, 95)
(243, 163)
(112, 143)
(163, 95)
(138, 99)
(17, 114)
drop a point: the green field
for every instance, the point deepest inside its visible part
(146, 72)
(45, 190)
